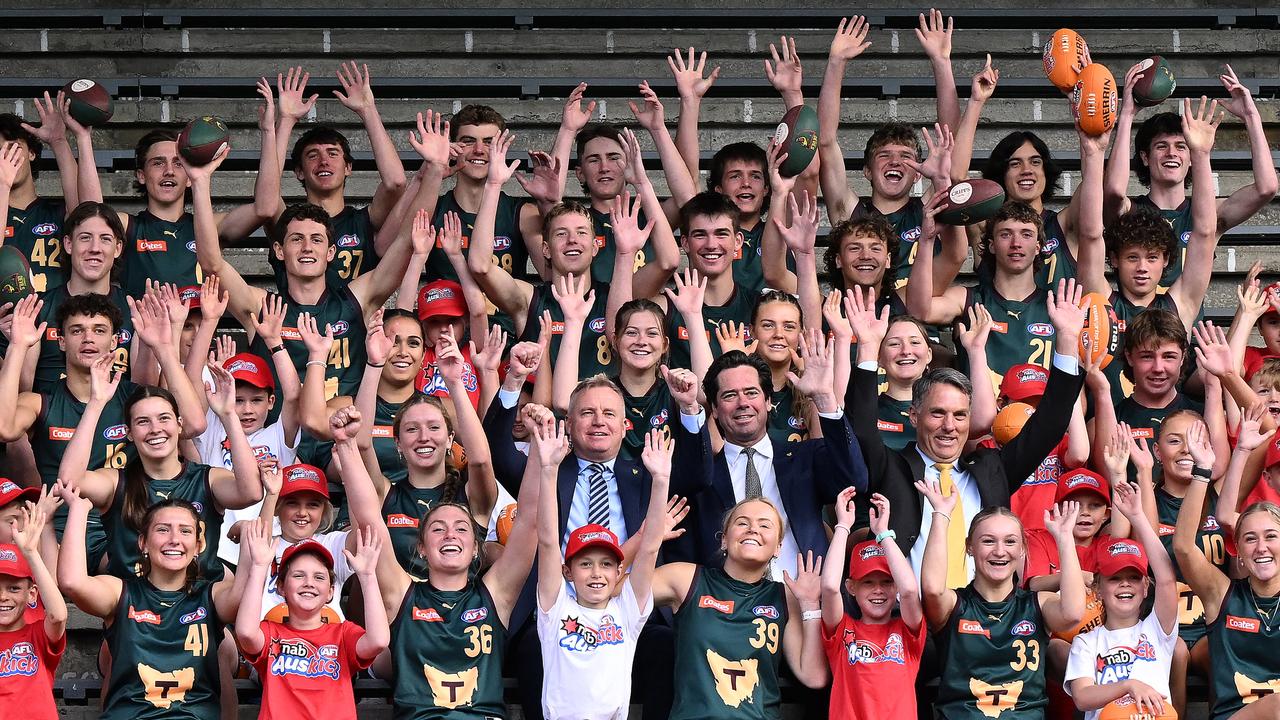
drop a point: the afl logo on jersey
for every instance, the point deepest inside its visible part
(1024, 628)
(349, 241)
(124, 336)
(597, 325)
(1040, 329)
(475, 615)
(660, 419)
(501, 242)
(1186, 238)
(340, 328)
(191, 246)
(796, 422)
(767, 611)
(45, 229)
(196, 616)
(911, 235)
(1050, 244)
(1210, 525)
(115, 432)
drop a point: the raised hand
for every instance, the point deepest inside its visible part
(53, 128)
(677, 509)
(656, 456)
(806, 586)
(357, 89)
(10, 163)
(984, 83)
(690, 83)
(449, 358)
(633, 166)
(213, 299)
(1115, 454)
(151, 322)
(345, 424)
(256, 540)
(851, 39)
(222, 393)
(841, 330)
(690, 289)
(224, 348)
(1251, 435)
(499, 170)
(1251, 296)
(49, 500)
(869, 327)
(778, 185)
(432, 139)
(1060, 520)
(784, 73)
(628, 237)
(23, 331)
(27, 537)
(974, 335)
(1139, 453)
(576, 116)
(292, 87)
(802, 233)
(733, 336)
(936, 167)
(879, 515)
(1239, 104)
(168, 295)
(1066, 314)
(1126, 499)
(1212, 351)
(934, 34)
(423, 236)
(932, 492)
(377, 343)
(1199, 128)
(845, 511)
(548, 444)
(651, 116)
(488, 357)
(318, 345)
(683, 385)
(575, 296)
(526, 358)
(364, 562)
(543, 185)
(103, 380)
(819, 365)
(70, 495)
(1199, 446)
(269, 322)
(269, 476)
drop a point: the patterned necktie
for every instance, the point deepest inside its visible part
(598, 495)
(753, 489)
(957, 574)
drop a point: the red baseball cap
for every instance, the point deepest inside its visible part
(1273, 452)
(11, 491)
(591, 536)
(1266, 293)
(1082, 479)
(867, 557)
(1119, 555)
(12, 563)
(251, 369)
(441, 297)
(304, 478)
(307, 546)
(1023, 381)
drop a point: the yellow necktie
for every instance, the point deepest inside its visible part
(957, 575)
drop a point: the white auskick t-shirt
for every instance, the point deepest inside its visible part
(1143, 652)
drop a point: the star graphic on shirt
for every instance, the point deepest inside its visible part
(570, 625)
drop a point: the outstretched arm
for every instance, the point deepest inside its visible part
(934, 35)
(357, 96)
(1243, 203)
(692, 86)
(850, 41)
(97, 595)
(1188, 291)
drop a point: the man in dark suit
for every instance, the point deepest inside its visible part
(799, 478)
(597, 485)
(940, 412)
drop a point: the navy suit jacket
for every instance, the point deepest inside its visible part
(810, 474)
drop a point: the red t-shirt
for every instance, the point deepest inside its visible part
(34, 614)
(1037, 492)
(1042, 554)
(430, 381)
(28, 660)
(308, 673)
(874, 669)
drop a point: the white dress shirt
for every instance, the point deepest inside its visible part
(969, 495)
(737, 461)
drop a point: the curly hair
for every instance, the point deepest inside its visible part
(892, 134)
(873, 225)
(1141, 227)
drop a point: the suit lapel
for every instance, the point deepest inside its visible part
(631, 490)
(720, 481)
(567, 483)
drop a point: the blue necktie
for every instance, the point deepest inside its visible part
(598, 495)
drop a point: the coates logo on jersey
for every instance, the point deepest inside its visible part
(144, 616)
(862, 651)
(115, 432)
(349, 241)
(972, 627)
(340, 328)
(1040, 329)
(61, 433)
(1249, 625)
(1024, 628)
(400, 520)
(660, 419)
(45, 229)
(724, 606)
(596, 325)
(766, 611)
(475, 615)
(501, 242)
(145, 245)
(911, 235)
(295, 656)
(21, 659)
(427, 615)
(580, 637)
(199, 614)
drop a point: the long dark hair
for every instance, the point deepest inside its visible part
(137, 503)
(148, 517)
(451, 490)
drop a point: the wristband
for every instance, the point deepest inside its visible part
(944, 515)
(321, 363)
(1202, 474)
(374, 365)
(808, 615)
(841, 527)
(886, 535)
(276, 348)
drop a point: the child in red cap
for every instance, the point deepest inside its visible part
(589, 637)
(306, 665)
(875, 658)
(1130, 655)
(29, 651)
